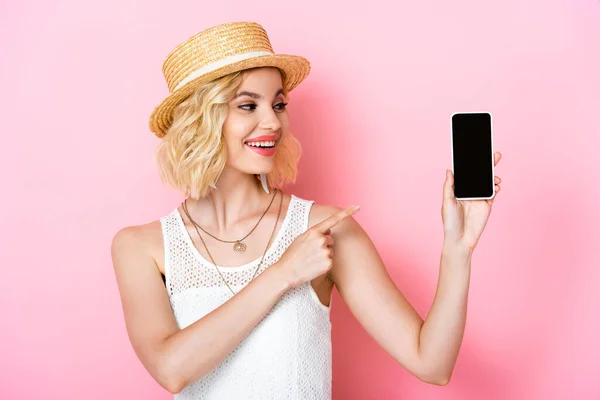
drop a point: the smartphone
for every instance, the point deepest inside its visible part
(472, 155)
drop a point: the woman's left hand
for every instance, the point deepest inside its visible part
(464, 220)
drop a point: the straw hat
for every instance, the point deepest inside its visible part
(216, 52)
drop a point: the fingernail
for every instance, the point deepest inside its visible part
(356, 207)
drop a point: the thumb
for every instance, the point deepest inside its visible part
(449, 185)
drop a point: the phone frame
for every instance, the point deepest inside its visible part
(492, 155)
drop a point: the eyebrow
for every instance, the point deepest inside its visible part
(256, 95)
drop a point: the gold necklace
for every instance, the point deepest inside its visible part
(239, 246)
(261, 259)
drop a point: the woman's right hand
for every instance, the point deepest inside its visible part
(309, 255)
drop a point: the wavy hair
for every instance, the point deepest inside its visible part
(192, 154)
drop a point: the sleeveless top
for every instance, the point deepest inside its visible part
(287, 355)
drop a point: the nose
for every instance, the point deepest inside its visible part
(270, 121)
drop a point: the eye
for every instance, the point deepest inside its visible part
(247, 105)
(281, 106)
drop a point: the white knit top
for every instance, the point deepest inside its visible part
(287, 355)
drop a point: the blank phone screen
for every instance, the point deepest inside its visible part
(472, 155)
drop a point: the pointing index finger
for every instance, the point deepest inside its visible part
(335, 219)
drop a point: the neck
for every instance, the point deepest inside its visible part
(239, 197)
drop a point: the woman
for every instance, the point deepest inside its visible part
(228, 296)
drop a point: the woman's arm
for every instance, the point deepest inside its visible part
(427, 349)
(174, 357)
(443, 330)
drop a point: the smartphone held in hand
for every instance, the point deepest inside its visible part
(472, 155)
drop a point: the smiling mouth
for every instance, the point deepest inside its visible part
(261, 146)
(264, 144)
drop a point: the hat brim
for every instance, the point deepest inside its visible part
(295, 69)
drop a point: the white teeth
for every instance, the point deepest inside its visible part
(261, 144)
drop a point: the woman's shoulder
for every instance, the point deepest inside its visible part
(146, 238)
(318, 211)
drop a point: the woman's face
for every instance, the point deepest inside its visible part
(257, 110)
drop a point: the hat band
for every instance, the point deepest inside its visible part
(221, 63)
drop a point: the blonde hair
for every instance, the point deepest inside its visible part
(192, 154)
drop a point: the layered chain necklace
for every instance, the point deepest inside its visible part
(239, 246)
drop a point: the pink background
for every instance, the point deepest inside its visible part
(79, 81)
